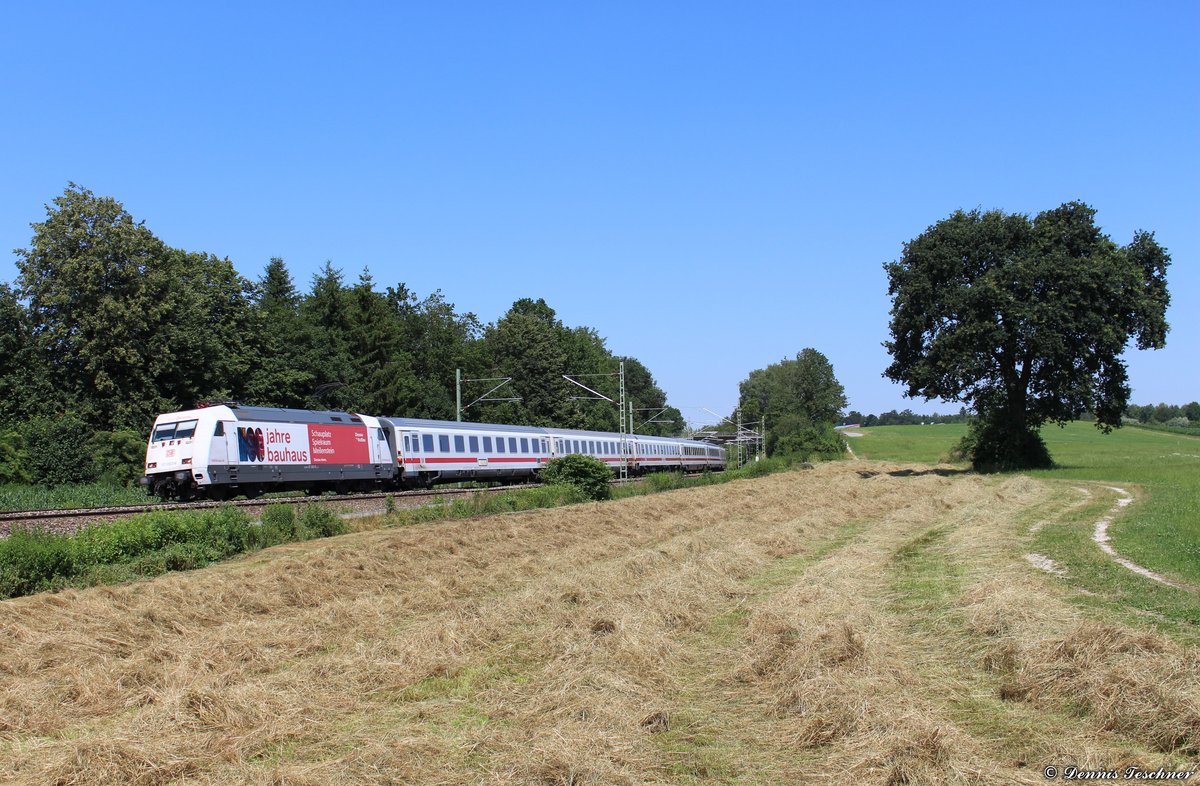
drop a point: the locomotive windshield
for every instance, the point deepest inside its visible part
(165, 431)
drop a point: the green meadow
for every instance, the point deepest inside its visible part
(1161, 531)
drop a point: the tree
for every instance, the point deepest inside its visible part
(800, 399)
(439, 341)
(209, 335)
(24, 386)
(1025, 320)
(525, 345)
(650, 402)
(99, 308)
(119, 326)
(286, 357)
(382, 370)
(326, 312)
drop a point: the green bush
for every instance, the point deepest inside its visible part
(318, 521)
(278, 524)
(801, 439)
(14, 459)
(589, 475)
(31, 558)
(53, 447)
(997, 446)
(665, 481)
(117, 456)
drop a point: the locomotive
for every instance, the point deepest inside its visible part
(224, 450)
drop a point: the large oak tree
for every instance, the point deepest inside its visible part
(1025, 320)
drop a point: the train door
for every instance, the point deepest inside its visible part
(414, 453)
(381, 451)
(218, 449)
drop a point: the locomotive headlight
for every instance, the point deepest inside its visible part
(152, 465)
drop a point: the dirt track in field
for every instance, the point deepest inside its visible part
(823, 626)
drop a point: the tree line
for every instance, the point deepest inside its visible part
(108, 326)
(1155, 414)
(1165, 414)
(904, 417)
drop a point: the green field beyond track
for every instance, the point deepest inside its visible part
(1161, 532)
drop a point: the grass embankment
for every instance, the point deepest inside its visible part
(149, 545)
(1161, 531)
(16, 496)
(155, 543)
(827, 626)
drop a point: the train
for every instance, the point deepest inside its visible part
(224, 450)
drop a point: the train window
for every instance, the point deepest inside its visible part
(474, 443)
(219, 431)
(487, 444)
(512, 444)
(165, 431)
(444, 443)
(459, 445)
(185, 429)
(378, 435)
(427, 442)
(499, 444)
(524, 444)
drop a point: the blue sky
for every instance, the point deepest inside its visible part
(713, 187)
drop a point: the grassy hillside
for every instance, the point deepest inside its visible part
(868, 623)
(1161, 531)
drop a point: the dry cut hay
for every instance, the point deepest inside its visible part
(1137, 683)
(552, 647)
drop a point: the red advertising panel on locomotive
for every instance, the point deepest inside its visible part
(339, 444)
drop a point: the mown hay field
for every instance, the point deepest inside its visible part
(865, 622)
(1161, 468)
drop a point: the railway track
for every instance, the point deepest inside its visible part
(74, 519)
